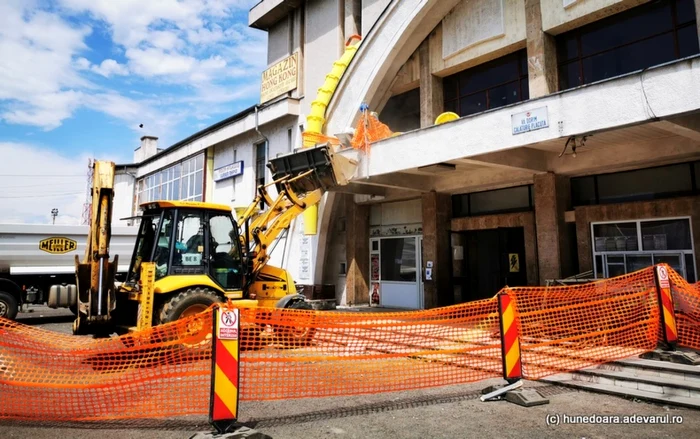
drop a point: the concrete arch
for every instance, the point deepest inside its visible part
(398, 32)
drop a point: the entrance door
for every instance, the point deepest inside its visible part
(488, 261)
(400, 272)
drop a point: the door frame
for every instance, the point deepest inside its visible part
(420, 272)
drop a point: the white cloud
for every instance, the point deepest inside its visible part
(36, 180)
(110, 67)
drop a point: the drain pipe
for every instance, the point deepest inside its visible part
(257, 129)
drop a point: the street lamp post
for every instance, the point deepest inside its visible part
(54, 214)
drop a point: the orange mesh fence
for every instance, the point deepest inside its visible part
(686, 301)
(166, 371)
(568, 328)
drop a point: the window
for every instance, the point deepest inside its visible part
(490, 85)
(638, 185)
(260, 162)
(161, 256)
(225, 252)
(513, 199)
(189, 243)
(402, 112)
(627, 246)
(182, 181)
(398, 259)
(641, 37)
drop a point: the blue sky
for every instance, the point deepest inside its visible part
(79, 76)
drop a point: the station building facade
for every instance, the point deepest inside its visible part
(576, 149)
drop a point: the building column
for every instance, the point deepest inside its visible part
(437, 213)
(551, 200)
(432, 100)
(697, 16)
(357, 252)
(541, 53)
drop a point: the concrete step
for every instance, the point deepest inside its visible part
(662, 369)
(656, 384)
(566, 379)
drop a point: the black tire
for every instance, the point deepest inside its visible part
(187, 304)
(8, 306)
(198, 298)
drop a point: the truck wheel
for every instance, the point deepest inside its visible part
(8, 306)
(189, 303)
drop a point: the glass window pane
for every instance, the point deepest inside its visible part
(615, 269)
(501, 200)
(176, 189)
(685, 11)
(398, 259)
(190, 240)
(583, 191)
(503, 95)
(451, 106)
(460, 205)
(450, 87)
(666, 235)
(615, 237)
(570, 75)
(690, 268)
(567, 47)
(688, 41)
(198, 182)
(626, 27)
(599, 267)
(673, 260)
(638, 262)
(525, 89)
(475, 103)
(645, 184)
(199, 162)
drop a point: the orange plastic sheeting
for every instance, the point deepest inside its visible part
(369, 129)
(571, 327)
(686, 302)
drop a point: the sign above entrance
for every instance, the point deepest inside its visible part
(529, 120)
(280, 78)
(228, 171)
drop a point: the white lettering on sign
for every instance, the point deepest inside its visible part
(229, 322)
(663, 277)
(228, 171)
(529, 120)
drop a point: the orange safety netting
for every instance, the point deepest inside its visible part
(686, 300)
(369, 129)
(165, 371)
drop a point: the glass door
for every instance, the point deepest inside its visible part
(400, 274)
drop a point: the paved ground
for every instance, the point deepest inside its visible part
(450, 412)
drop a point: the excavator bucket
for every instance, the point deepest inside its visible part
(328, 169)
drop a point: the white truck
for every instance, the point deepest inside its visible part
(33, 258)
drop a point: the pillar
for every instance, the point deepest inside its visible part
(697, 17)
(357, 251)
(541, 53)
(437, 213)
(551, 202)
(432, 100)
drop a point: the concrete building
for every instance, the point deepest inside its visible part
(576, 149)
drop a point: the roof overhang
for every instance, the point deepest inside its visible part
(268, 12)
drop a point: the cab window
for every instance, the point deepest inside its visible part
(224, 252)
(189, 244)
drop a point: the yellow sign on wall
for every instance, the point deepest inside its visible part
(280, 78)
(57, 245)
(514, 262)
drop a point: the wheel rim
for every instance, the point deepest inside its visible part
(4, 309)
(194, 331)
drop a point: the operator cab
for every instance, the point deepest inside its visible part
(189, 238)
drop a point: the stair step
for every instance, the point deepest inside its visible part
(665, 385)
(661, 398)
(662, 366)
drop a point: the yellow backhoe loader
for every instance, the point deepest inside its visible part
(190, 255)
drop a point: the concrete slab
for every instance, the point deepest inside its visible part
(526, 397)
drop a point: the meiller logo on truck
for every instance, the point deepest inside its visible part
(56, 245)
